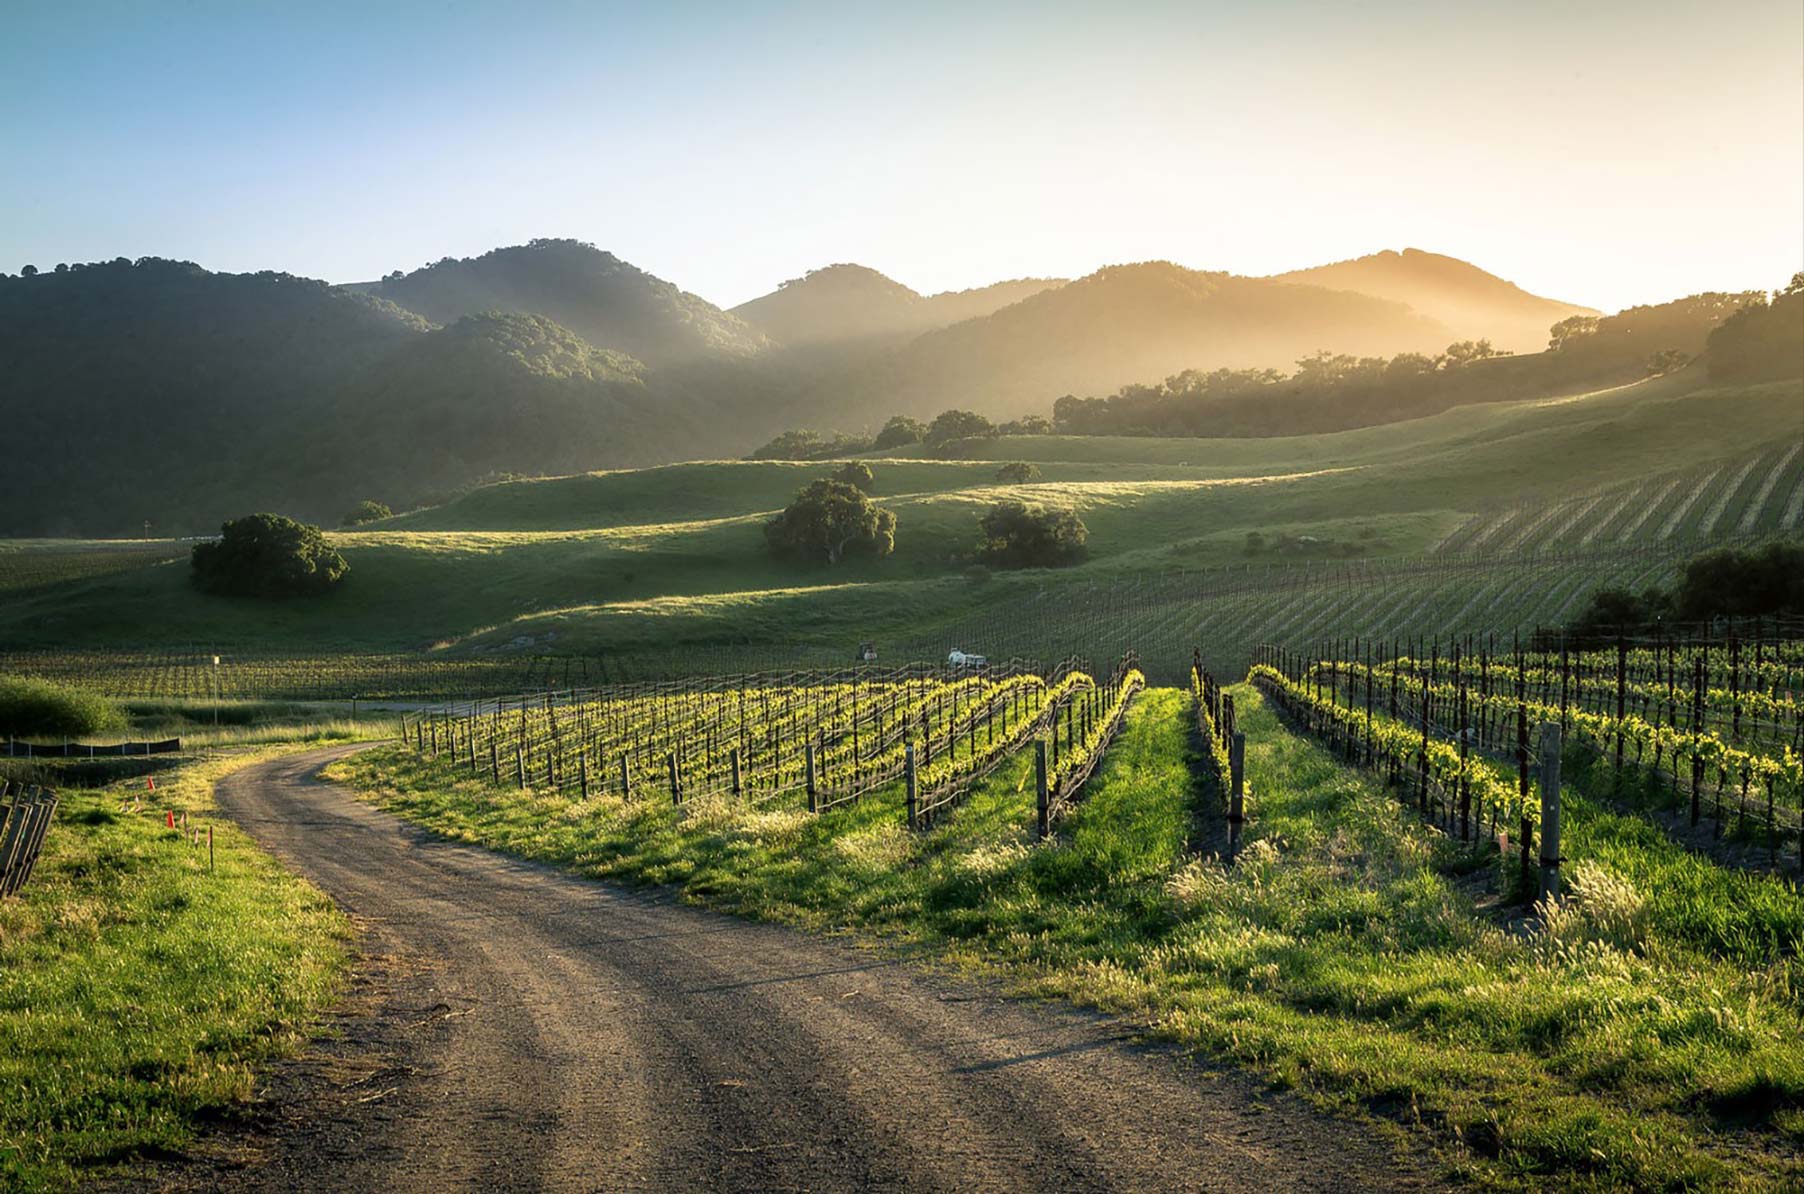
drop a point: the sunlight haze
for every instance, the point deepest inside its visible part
(1607, 156)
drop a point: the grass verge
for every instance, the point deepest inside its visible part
(1352, 954)
(138, 991)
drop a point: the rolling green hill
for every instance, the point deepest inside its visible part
(1381, 529)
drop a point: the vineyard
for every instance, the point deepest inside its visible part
(1699, 728)
(829, 738)
(1162, 615)
(1759, 494)
(28, 566)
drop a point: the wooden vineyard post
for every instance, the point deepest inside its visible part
(520, 764)
(583, 765)
(911, 790)
(494, 762)
(808, 755)
(626, 776)
(1528, 837)
(1565, 679)
(738, 776)
(1042, 797)
(1422, 759)
(1369, 759)
(1550, 810)
(1465, 779)
(1237, 753)
(1622, 663)
(1697, 720)
(676, 780)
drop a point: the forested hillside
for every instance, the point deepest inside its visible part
(161, 392)
(607, 301)
(157, 391)
(1330, 392)
(1120, 325)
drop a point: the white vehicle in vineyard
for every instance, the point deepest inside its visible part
(960, 659)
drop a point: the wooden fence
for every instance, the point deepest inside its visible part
(25, 816)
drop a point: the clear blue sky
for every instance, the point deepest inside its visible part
(1606, 153)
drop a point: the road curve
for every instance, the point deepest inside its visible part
(592, 1038)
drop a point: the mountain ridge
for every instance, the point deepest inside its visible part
(1472, 302)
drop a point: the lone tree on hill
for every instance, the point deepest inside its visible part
(858, 474)
(1017, 535)
(267, 555)
(1018, 471)
(828, 521)
(367, 510)
(899, 432)
(958, 424)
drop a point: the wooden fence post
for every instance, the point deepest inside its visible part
(909, 781)
(626, 776)
(808, 768)
(1550, 810)
(1237, 753)
(676, 781)
(1042, 797)
(738, 779)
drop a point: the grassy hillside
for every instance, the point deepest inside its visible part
(1414, 528)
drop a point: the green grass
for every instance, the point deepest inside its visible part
(610, 560)
(1353, 954)
(138, 992)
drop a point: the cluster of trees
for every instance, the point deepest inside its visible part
(1741, 334)
(267, 555)
(900, 432)
(1725, 583)
(834, 519)
(1762, 341)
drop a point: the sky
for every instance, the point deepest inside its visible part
(1608, 154)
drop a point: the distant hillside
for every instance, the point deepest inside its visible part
(160, 391)
(840, 303)
(496, 394)
(1122, 324)
(1472, 303)
(601, 298)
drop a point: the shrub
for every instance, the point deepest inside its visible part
(41, 709)
(858, 475)
(366, 511)
(267, 555)
(1018, 471)
(1017, 535)
(828, 521)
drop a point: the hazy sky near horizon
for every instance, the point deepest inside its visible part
(1607, 154)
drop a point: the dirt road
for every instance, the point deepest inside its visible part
(577, 1036)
